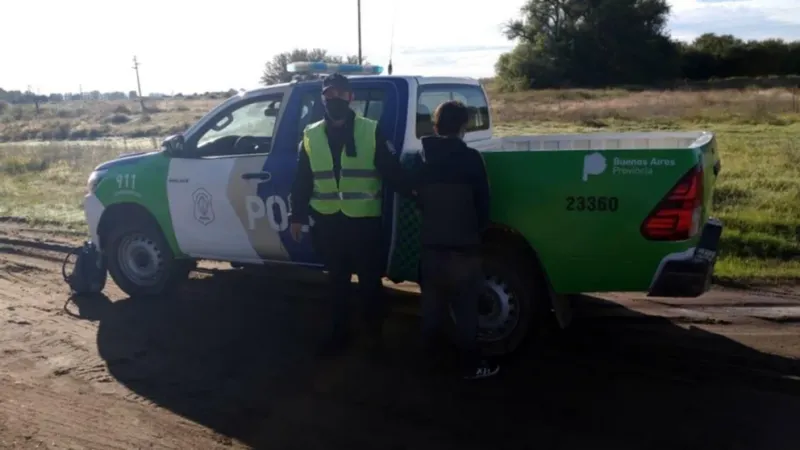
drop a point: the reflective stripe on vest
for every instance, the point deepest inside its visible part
(358, 193)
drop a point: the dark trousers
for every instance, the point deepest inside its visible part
(452, 279)
(346, 246)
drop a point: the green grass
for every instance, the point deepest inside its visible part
(45, 182)
(757, 271)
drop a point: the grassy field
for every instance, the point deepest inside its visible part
(96, 119)
(757, 195)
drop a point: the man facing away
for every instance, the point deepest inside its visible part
(342, 163)
(453, 195)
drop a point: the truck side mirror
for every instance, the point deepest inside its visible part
(272, 110)
(173, 144)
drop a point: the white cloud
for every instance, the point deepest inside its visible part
(748, 19)
(195, 46)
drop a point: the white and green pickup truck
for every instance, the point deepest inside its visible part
(571, 213)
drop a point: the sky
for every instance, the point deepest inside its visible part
(194, 46)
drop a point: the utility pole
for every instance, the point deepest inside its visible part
(359, 32)
(33, 97)
(138, 82)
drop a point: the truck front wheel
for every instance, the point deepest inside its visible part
(139, 259)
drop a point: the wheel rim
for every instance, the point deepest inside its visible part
(498, 311)
(140, 260)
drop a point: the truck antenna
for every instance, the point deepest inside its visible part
(391, 40)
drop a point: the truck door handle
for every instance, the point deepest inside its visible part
(266, 176)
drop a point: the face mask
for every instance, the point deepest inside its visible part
(336, 108)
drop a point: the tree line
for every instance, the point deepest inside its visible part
(21, 97)
(17, 97)
(28, 97)
(600, 43)
(275, 71)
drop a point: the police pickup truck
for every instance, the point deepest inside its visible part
(571, 213)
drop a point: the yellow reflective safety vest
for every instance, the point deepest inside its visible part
(358, 193)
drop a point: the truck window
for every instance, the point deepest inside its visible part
(254, 119)
(367, 102)
(433, 95)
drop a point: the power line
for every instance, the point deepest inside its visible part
(391, 39)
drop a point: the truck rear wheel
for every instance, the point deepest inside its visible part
(514, 300)
(140, 261)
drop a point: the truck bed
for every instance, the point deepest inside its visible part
(599, 141)
(581, 202)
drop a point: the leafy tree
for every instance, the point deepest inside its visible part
(717, 46)
(275, 70)
(595, 43)
(588, 43)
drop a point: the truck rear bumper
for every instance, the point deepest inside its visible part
(688, 274)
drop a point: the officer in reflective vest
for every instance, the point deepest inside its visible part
(343, 164)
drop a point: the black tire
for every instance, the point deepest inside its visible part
(145, 234)
(525, 285)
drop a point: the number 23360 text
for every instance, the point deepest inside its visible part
(592, 204)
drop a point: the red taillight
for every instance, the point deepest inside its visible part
(677, 217)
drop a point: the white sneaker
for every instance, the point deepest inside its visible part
(484, 370)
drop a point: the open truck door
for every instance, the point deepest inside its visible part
(375, 98)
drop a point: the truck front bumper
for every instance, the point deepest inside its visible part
(93, 210)
(688, 274)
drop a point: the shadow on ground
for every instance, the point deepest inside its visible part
(235, 353)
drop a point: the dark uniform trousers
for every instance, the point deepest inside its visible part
(455, 279)
(352, 245)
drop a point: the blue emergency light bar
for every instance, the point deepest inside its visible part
(323, 67)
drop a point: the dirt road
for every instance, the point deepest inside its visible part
(228, 363)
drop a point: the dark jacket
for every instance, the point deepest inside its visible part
(339, 138)
(453, 194)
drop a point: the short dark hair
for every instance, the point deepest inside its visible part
(450, 117)
(336, 81)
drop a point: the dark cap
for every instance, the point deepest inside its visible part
(336, 81)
